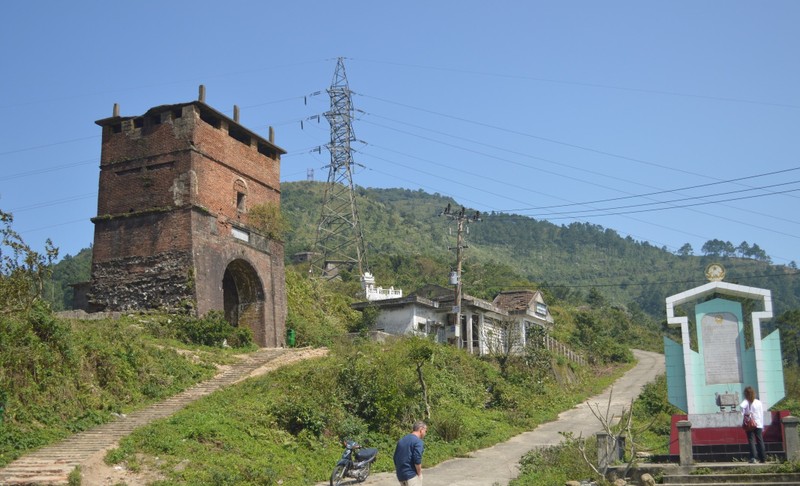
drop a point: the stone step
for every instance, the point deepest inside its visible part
(728, 479)
(745, 482)
(52, 464)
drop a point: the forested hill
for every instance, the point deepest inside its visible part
(407, 244)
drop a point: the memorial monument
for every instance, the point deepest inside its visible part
(722, 351)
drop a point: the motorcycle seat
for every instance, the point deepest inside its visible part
(366, 453)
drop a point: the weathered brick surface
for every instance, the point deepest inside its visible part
(171, 225)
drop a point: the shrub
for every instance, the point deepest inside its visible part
(449, 428)
(211, 330)
(23, 271)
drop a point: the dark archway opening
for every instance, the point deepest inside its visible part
(243, 299)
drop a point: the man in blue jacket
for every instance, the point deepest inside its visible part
(408, 456)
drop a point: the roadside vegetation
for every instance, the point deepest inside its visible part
(288, 425)
(650, 424)
(61, 376)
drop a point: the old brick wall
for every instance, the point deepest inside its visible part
(174, 184)
(142, 234)
(141, 167)
(214, 253)
(226, 165)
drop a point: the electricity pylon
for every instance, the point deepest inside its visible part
(340, 242)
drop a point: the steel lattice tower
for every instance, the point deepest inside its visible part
(340, 242)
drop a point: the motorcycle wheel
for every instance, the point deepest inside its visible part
(337, 475)
(363, 473)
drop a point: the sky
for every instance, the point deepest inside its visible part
(669, 122)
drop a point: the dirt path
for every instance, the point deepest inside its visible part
(486, 467)
(52, 464)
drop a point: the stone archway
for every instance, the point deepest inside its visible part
(243, 299)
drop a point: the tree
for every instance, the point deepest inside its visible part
(268, 220)
(23, 271)
(743, 249)
(755, 252)
(595, 298)
(420, 354)
(504, 342)
(686, 250)
(789, 325)
(718, 248)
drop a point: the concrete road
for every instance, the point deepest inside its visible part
(499, 464)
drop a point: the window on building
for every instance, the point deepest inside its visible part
(541, 309)
(240, 188)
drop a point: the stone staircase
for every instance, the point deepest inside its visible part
(52, 464)
(715, 474)
(745, 474)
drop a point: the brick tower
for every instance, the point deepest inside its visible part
(172, 229)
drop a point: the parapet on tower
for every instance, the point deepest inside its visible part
(172, 229)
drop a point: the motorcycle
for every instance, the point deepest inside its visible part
(355, 463)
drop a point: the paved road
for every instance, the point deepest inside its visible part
(499, 464)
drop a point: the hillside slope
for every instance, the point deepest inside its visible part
(407, 241)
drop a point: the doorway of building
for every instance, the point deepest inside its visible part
(243, 297)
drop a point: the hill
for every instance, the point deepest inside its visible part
(407, 244)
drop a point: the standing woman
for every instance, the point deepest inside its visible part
(751, 406)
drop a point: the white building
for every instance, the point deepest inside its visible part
(485, 326)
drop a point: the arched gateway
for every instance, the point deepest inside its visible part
(243, 297)
(172, 229)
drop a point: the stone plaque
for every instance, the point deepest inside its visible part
(721, 351)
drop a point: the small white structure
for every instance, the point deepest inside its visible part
(378, 293)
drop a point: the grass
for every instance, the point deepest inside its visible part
(66, 376)
(286, 426)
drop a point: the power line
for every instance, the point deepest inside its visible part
(156, 85)
(706, 196)
(589, 85)
(25, 149)
(53, 202)
(539, 192)
(546, 139)
(48, 169)
(794, 273)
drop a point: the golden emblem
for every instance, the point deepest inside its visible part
(715, 272)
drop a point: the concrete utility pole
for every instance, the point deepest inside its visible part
(460, 218)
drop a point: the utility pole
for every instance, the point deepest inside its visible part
(460, 217)
(340, 242)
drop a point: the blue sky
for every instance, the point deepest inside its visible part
(631, 115)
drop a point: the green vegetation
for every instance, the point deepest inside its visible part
(408, 241)
(287, 425)
(70, 270)
(62, 376)
(23, 271)
(268, 220)
(557, 464)
(652, 415)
